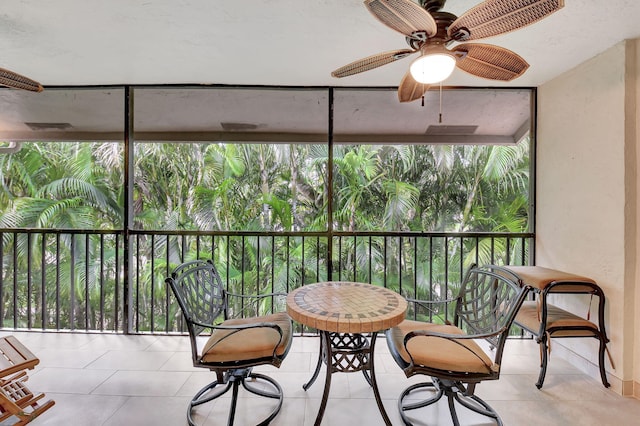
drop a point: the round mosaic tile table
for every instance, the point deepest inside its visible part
(342, 312)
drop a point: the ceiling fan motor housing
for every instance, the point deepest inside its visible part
(443, 21)
(432, 5)
(441, 37)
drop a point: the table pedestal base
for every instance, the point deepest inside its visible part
(346, 353)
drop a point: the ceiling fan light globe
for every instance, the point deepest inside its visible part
(432, 68)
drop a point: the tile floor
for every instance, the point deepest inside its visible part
(148, 380)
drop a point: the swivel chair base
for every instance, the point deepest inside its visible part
(454, 391)
(233, 380)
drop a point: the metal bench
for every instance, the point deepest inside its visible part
(546, 321)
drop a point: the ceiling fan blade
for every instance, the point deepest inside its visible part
(371, 62)
(488, 61)
(493, 17)
(409, 89)
(404, 16)
(17, 81)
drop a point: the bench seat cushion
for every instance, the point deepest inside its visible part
(557, 320)
(539, 278)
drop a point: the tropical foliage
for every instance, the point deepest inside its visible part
(261, 211)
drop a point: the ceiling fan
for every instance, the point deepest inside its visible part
(429, 31)
(17, 81)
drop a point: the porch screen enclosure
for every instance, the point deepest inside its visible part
(105, 190)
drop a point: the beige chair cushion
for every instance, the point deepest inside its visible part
(252, 343)
(539, 277)
(435, 352)
(529, 314)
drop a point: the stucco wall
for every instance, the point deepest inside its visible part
(633, 128)
(583, 186)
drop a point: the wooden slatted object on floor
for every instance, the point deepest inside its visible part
(16, 399)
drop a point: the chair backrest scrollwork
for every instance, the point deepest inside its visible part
(487, 304)
(200, 294)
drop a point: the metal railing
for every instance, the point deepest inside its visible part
(76, 279)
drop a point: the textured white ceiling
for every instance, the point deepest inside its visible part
(266, 42)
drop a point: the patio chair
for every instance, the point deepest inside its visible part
(460, 354)
(237, 343)
(17, 402)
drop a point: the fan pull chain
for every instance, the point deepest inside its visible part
(440, 115)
